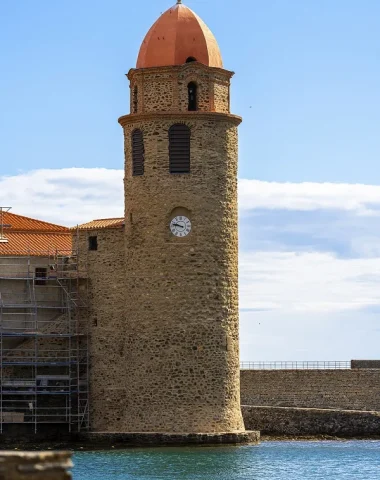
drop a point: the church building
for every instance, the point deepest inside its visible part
(162, 282)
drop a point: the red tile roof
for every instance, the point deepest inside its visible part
(19, 223)
(101, 223)
(28, 236)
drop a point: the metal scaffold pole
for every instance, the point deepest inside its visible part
(42, 343)
(1, 364)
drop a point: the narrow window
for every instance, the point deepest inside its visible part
(135, 99)
(191, 59)
(137, 153)
(192, 92)
(179, 148)
(40, 276)
(93, 243)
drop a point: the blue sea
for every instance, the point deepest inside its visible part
(333, 460)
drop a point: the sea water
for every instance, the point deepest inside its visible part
(333, 460)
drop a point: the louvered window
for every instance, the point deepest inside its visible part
(137, 153)
(179, 148)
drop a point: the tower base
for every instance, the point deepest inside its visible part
(151, 439)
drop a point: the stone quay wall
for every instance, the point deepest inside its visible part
(357, 389)
(288, 421)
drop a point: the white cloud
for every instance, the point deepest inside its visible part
(65, 196)
(307, 282)
(363, 199)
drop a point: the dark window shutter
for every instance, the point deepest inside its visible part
(179, 148)
(137, 153)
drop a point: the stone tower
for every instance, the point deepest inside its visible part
(174, 364)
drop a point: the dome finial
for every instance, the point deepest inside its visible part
(179, 2)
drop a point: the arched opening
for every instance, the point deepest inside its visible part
(137, 152)
(190, 59)
(179, 148)
(192, 92)
(135, 99)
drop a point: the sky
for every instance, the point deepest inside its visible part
(307, 85)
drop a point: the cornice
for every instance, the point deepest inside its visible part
(185, 116)
(178, 68)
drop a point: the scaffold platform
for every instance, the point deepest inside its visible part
(43, 340)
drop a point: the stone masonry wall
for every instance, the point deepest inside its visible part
(106, 323)
(182, 352)
(311, 421)
(160, 88)
(335, 389)
(221, 97)
(164, 89)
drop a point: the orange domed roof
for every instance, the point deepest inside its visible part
(177, 36)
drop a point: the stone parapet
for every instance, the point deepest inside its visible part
(35, 465)
(365, 364)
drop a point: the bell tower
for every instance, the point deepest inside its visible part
(181, 237)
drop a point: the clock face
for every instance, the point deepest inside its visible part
(180, 226)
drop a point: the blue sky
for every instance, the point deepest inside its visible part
(307, 85)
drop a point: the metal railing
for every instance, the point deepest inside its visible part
(297, 365)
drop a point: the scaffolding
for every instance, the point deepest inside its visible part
(44, 366)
